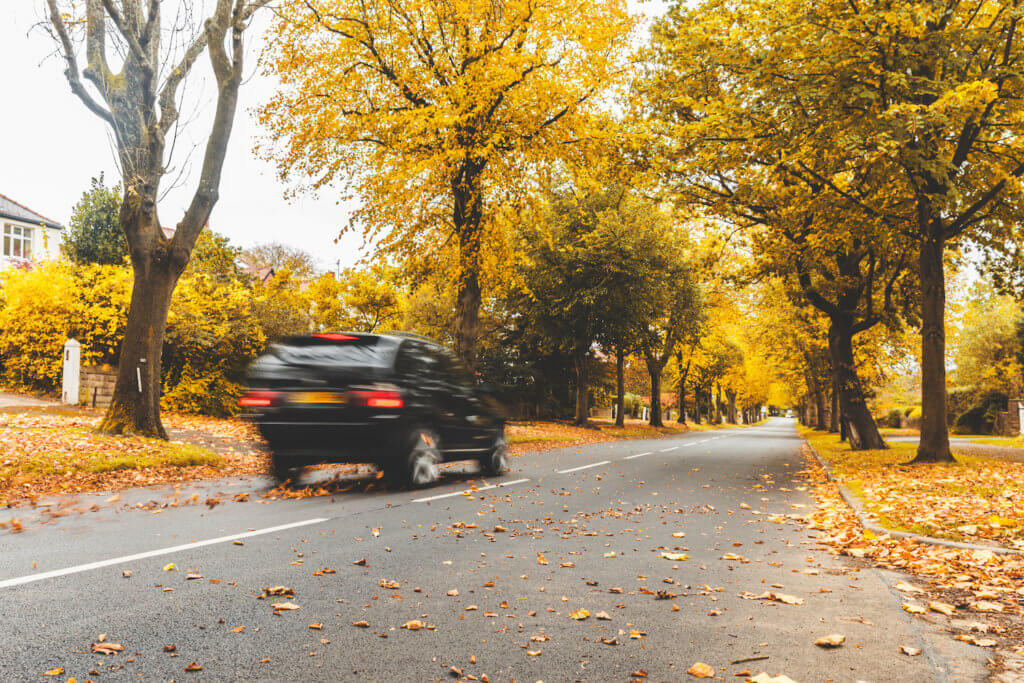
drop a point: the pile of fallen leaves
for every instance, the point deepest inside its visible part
(974, 500)
(980, 590)
(47, 454)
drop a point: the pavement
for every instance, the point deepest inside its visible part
(12, 400)
(494, 575)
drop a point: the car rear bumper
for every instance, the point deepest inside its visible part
(303, 443)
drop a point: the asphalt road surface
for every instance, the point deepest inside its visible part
(493, 574)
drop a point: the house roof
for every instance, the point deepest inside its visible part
(19, 212)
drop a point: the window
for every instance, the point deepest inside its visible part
(17, 241)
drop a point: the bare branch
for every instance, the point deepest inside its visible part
(71, 70)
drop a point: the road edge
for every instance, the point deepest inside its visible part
(865, 517)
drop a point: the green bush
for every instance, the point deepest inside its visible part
(894, 418)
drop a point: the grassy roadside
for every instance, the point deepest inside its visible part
(975, 499)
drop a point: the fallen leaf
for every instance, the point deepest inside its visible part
(910, 651)
(832, 640)
(987, 606)
(413, 625)
(194, 666)
(675, 557)
(942, 607)
(107, 648)
(701, 670)
(908, 587)
(913, 609)
(361, 624)
(610, 641)
(679, 534)
(541, 560)
(360, 562)
(603, 616)
(580, 614)
(285, 605)
(534, 653)
(54, 672)
(317, 626)
(237, 629)
(453, 593)
(169, 567)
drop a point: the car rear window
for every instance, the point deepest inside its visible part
(357, 351)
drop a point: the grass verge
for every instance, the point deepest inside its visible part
(974, 499)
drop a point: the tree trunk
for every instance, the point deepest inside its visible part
(682, 386)
(731, 397)
(582, 388)
(819, 409)
(717, 398)
(135, 405)
(934, 444)
(696, 406)
(833, 413)
(861, 428)
(655, 372)
(620, 386)
(466, 188)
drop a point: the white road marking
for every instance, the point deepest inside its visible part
(638, 455)
(670, 448)
(582, 467)
(152, 553)
(468, 491)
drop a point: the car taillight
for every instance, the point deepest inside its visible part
(336, 336)
(259, 399)
(379, 398)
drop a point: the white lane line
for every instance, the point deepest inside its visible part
(468, 491)
(152, 553)
(583, 467)
(638, 455)
(670, 448)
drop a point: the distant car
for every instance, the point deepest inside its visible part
(401, 402)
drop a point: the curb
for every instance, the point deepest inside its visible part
(866, 518)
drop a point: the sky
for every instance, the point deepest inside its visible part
(51, 145)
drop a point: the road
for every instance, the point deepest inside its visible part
(600, 516)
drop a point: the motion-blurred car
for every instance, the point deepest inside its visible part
(399, 401)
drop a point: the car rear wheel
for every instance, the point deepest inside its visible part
(420, 465)
(496, 460)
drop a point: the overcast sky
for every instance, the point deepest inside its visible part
(50, 146)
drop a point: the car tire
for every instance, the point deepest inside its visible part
(420, 463)
(496, 460)
(284, 471)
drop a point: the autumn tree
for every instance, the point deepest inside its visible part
(277, 256)
(136, 66)
(430, 112)
(726, 129)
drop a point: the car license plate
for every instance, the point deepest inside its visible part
(320, 397)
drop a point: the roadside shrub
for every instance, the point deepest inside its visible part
(894, 418)
(41, 308)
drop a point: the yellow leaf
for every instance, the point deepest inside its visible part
(675, 557)
(170, 567)
(701, 670)
(580, 614)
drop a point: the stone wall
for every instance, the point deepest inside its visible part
(96, 386)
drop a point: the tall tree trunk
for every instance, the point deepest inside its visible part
(819, 409)
(731, 397)
(620, 386)
(717, 398)
(582, 388)
(862, 431)
(655, 372)
(696, 406)
(135, 405)
(833, 413)
(683, 373)
(466, 188)
(934, 444)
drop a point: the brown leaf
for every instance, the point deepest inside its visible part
(361, 624)
(317, 626)
(54, 672)
(237, 629)
(944, 608)
(701, 670)
(170, 648)
(832, 640)
(194, 666)
(285, 605)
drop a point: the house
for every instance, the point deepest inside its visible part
(27, 236)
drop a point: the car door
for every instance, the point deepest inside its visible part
(474, 423)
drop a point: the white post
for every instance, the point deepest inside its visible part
(72, 371)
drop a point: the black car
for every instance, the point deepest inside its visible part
(399, 401)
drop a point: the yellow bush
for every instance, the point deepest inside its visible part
(41, 308)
